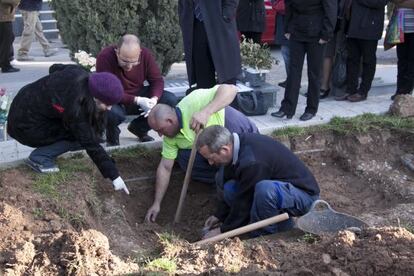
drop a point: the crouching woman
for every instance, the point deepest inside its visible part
(63, 112)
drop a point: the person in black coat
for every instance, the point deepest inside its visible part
(62, 112)
(211, 43)
(309, 25)
(251, 19)
(366, 23)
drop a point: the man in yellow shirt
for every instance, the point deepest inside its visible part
(201, 108)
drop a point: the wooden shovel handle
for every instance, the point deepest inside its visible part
(187, 178)
(245, 229)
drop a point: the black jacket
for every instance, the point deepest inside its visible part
(260, 158)
(219, 19)
(251, 16)
(310, 20)
(367, 19)
(30, 5)
(37, 114)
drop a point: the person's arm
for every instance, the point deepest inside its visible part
(153, 76)
(330, 9)
(288, 18)
(225, 94)
(240, 210)
(229, 9)
(161, 184)
(373, 4)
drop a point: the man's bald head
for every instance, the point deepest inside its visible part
(164, 120)
(128, 51)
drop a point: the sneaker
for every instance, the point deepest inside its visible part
(40, 168)
(24, 57)
(50, 52)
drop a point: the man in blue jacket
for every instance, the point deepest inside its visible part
(262, 178)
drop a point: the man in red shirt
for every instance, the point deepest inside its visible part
(133, 65)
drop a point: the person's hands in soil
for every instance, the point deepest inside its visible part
(211, 222)
(152, 213)
(199, 120)
(212, 233)
(119, 184)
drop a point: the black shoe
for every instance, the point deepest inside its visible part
(145, 138)
(282, 84)
(306, 116)
(343, 97)
(324, 93)
(281, 114)
(9, 69)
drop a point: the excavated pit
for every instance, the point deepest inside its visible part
(86, 225)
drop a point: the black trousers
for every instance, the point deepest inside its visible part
(314, 55)
(6, 43)
(365, 50)
(405, 54)
(204, 72)
(118, 113)
(255, 36)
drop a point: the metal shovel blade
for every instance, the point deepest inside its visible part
(325, 220)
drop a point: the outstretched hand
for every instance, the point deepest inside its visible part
(152, 213)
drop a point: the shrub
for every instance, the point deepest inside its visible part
(255, 55)
(90, 25)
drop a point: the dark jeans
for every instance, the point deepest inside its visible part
(202, 170)
(139, 125)
(272, 198)
(47, 155)
(360, 49)
(405, 54)
(314, 54)
(6, 43)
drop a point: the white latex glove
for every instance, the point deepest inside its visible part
(145, 103)
(119, 184)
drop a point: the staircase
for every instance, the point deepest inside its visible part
(49, 23)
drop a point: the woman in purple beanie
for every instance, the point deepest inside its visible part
(65, 111)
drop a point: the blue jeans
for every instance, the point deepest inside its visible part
(271, 198)
(47, 155)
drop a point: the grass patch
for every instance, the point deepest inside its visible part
(309, 238)
(47, 184)
(163, 264)
(76, 219)
(38, 213)
(358, 124)
(133, 152)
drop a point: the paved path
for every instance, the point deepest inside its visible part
(378, 101)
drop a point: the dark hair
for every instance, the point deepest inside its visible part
(85, 106)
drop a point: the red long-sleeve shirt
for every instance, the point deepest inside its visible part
(132, 81)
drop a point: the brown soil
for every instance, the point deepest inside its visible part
(87, 229)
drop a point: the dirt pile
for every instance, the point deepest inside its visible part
(60, 253)
(375, 251)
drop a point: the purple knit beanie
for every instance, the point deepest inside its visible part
(106, 87)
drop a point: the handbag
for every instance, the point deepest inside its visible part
(339, 69)
(394, 33)
(251, 103)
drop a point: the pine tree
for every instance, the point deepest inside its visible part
(90, 25)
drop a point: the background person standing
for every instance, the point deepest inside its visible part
(211, 43)
(251, 19)
(32, 28)
(7, 11)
